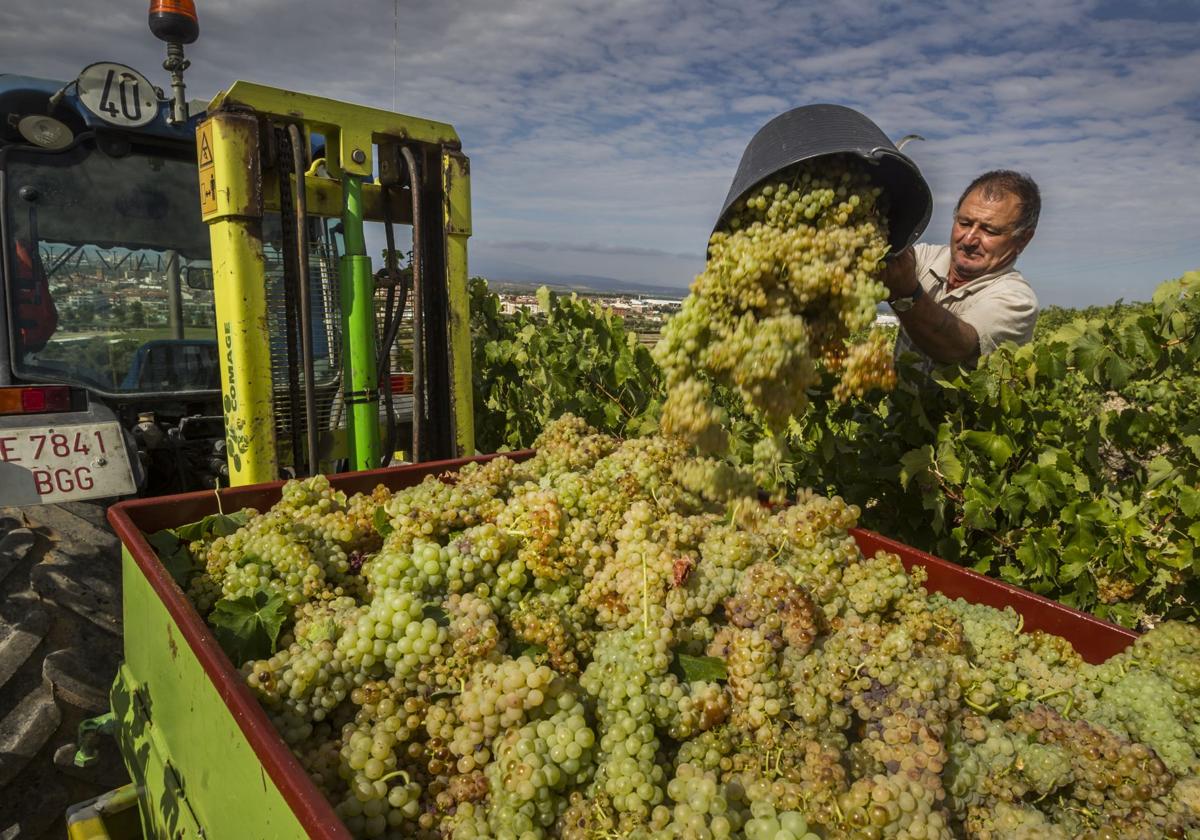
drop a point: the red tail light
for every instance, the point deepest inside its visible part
(35, 399)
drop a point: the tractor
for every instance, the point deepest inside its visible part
(187, 303)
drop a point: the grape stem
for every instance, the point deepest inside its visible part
(616, 401)
(778, 552)
(603, 833)
(401, 773)
(983, 710)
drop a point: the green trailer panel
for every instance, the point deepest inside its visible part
(185, 750)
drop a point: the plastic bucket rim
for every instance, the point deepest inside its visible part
(874, 153)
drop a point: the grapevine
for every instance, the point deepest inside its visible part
(1069, 465)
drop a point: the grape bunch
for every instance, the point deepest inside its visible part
(304, 548)
(581, 645)
(791, 276)
(865, 367)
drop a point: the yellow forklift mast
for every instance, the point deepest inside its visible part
(282, 400)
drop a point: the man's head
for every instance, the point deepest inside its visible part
(993, 222)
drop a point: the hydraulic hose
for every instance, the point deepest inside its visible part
(418, 420)
(299, 165)
(392, 319)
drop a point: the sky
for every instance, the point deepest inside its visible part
(604, 135)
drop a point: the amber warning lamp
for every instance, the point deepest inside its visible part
(175, 22)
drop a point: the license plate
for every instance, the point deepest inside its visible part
(64, 463)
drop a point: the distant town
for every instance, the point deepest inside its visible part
(640, 313)
(99, 293)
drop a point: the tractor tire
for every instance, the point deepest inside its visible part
(60, 646)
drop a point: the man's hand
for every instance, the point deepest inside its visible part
(900, 273)
(940, 334)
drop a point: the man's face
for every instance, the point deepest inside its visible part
(983, 237)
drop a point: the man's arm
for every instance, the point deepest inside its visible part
(937, 331)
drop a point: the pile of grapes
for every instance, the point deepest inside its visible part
(789, 279)
(579, 646)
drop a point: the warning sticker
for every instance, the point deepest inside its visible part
(208, 171)
(204, 144)
(208, 193)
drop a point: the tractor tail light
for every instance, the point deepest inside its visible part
(36, 399)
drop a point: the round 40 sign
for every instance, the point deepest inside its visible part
(117, 94)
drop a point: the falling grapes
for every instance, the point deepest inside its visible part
(790, 277)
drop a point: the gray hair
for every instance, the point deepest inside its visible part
(1000, 182)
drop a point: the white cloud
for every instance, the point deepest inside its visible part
(769, 105)
(620, 123)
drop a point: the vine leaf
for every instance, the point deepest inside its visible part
(914, 464)
(248, 627)
(218, 524)
(383, 524)
(174, 555)
(1189, 501)
(997, 448)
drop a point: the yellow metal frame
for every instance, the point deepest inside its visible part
(109, 816)
(456, 187)
(235, 193)
(231, 202)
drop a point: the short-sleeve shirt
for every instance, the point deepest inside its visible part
(1001, 306)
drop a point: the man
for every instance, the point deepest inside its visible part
(960, 301)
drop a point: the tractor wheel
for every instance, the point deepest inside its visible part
(60, 645)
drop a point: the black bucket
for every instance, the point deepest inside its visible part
(813, 131)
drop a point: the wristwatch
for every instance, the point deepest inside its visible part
(903, 304)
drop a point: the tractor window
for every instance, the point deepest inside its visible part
(107, 260)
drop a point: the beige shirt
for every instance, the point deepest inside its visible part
(1001, 306)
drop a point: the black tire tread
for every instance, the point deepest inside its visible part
(60, 645)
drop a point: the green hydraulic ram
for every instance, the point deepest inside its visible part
(358, 333)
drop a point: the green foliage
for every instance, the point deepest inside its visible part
(1053, 318)
(571, 355)
(215, 524)
(1069, 466)
(174, 555)
(248, 627)
(171, 544)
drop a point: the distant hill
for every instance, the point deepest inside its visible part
(584, 284)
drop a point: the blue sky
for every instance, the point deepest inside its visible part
(604, 135)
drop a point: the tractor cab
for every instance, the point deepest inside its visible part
(99, 236)
(99, 211)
